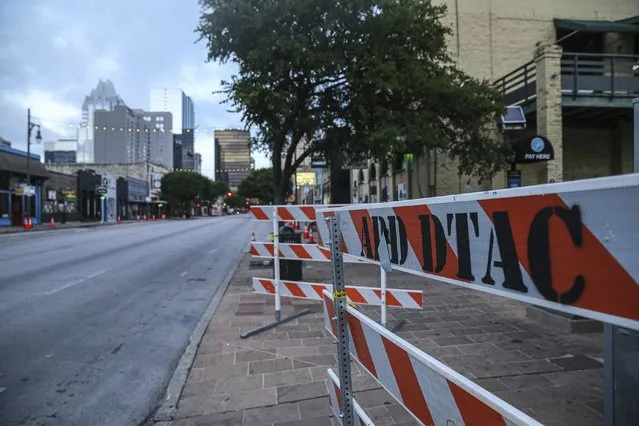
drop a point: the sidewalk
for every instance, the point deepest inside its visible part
(277, 378)
(69, 225)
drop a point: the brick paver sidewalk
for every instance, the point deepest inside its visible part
(278, 377)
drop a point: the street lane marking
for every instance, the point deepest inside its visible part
(213, 251)
(2, 389)
(74, 283)
(183, 274)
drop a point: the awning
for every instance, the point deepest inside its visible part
(18, 164)
(623, 26)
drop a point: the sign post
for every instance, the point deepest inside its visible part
(343, 346)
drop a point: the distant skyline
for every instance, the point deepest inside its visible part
(53, 68)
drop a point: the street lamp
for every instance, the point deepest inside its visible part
(30, 126)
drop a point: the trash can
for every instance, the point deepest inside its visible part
(290, 270)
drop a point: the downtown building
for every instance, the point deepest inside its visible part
(126, 135)
(62, 151)
(103, 98)
(182, 109)
(233, 154)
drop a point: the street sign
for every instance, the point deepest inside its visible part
(101, 190)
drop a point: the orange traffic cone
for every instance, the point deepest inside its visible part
(163, 217)
(52, 223)
(138, 218)
(25, 223)
(153, 217)
(145, 218)
(29, 223)
(118, 219)
(305, 233)
(310, 238)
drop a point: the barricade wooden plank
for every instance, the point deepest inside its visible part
(310, 252)
(432, 392)
(571, 246)
(296, 213)
(396, 298)
(334, 397)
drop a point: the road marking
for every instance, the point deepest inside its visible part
(74, 283)
(183, 274)
(213, 251)
(2, 389)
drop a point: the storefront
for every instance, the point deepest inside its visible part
(19, 198)
(138, 192)
(88, 200)
(60, 199)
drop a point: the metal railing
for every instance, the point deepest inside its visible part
(582, 74)
(599, 75)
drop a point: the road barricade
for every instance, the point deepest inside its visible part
(572, 247)
(275, 250)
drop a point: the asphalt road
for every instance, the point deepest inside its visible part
(93, 321)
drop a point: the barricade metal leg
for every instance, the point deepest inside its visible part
(398, 324)
(343, 347)
(276, 278)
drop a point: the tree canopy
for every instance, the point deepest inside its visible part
(351, 80)
(258, 184)
(185, 186)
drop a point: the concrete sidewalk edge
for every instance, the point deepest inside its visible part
(166, 412)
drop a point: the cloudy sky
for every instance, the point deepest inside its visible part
(53, 52)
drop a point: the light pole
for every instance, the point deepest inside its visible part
(38, 138)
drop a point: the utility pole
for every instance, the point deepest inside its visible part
(30, 127)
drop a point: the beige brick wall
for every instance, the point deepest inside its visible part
(497, 36)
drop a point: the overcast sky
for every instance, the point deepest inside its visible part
(53, 52)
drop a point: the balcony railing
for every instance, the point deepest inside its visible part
(599, 75)
(582, 75)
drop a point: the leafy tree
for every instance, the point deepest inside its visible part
(258, 184)
(214, 190)
(236, 201)
(351, 80)
(182, 188)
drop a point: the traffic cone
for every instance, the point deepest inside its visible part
(153, 217)
(29, 223)
(183, 216)
(145, 218)
(163, 217)
(25, 224)
(138, 218)
(305, 233)
(310, 238)
(118, 219)
(52, 223)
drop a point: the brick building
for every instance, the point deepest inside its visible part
(567, 63)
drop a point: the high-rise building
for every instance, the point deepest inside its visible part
(125, 135)
(198, 163)
(235, 155)
(102, 98)
(181, 106)
(62, 151)
(217, 160)
(177, 152)
(4, 142)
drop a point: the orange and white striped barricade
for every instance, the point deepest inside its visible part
(308, 252)
(307, 213)
(432, 392)
(275, 255)
(334, 397)
(397, 298)
(570, 246)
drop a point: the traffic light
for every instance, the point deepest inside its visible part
(228, 194)
(102, 197)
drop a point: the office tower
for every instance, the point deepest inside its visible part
(181, 107)
(125, 135)
(235, 154)
(102, 98)
(177, 152)
(198, 163)
(62, 151)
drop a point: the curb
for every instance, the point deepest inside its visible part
(164, 415)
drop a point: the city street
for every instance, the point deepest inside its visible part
(93, 321)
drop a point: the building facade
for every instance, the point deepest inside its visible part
(198, 163)
(125, 135)
(103, 98)
(568, 64)
(182, 109)
(234, 155)
(62, 151)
